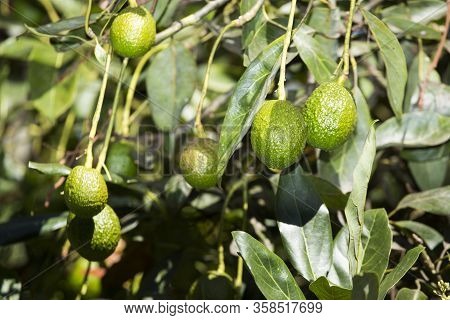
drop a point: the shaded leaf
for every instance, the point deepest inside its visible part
(326, 291)
(318, 60)
(56, 28)
(405, 263)
(340, 270)
(337, 166)
(377, 242)
(429, 174)
(433, 201)
(414, 129)
(354, 210)
(365, 287)
(328, 192)
(247, 98)
(304, 224)
(170, 81)
(426, 154)
(410, 294)
(50, 168)
(270, 272)
(394, 60)
(430, 236)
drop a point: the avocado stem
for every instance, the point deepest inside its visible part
(287, 42)
(98, 110)
(133, 3)
(348, 33)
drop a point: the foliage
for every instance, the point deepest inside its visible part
(368, 220)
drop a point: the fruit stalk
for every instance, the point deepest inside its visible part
(133, 3)
(87, 16)
(98, 110)
(348, 33)
(84, 285)
(240, 263)
(287, 42)
(102, 157)
(132, 87)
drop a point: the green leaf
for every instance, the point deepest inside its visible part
(170, 81)
(415, 129)
(394, 60)
(423, 11)
(337, 166)
(304, 224)
(50, 168)
(271, 274)
(426, 154)
(328, 192)
(429, 174)
(354, 210)
(406, 262)
(377, 242)
(430, 236)
(318, 60)
(365, 287)
(340, 270)
(410, 294)
(326, 291)
(411, 28)
(247, 98)
(56, 28)
(433, 201)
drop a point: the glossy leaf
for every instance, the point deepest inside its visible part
(434, 201)
(271, 274)
(414, 129)
(410, 294)
(405, 263)
(394, 60)
(377, 242)
(365, 287)
(304, 224)
(318, 61)
(50, 168)
(170, 81)
(354, 210)
(247, 98)
(326, 291)
(337, 166)
(430, 236)
(339, 273)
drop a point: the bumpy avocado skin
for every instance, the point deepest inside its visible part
(85, 191)
(95, 238)
(198, 163)
(133, 32)
(278, 134)
(330, 113)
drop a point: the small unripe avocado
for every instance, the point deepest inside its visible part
(330, 113)
(278, 134)
(198, 163)
(95, 238)
(133, 32)
(85, 191)
(120, 160)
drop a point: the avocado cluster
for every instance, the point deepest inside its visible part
(280, 130)
(93, 227)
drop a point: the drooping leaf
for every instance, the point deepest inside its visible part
(429, 174)
(394, 60)
(326, 291)
(365, 287)
(318, 60)
(50, 168)
(354, 210)
(337, 166)
(247, 98)
(377, 242)
(170, 81)
(399, 271)
(434, 201)
(304, 224)
(426, 154)
(270, 272)
(339, 273)
(410, 294)
(430, 236)
(414, 129)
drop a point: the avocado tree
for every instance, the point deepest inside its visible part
(224, 149)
